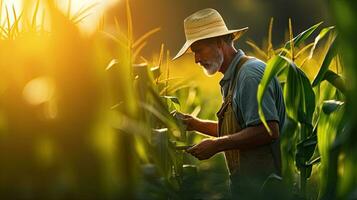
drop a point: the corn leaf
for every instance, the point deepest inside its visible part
(305, 100)
(336, 80)
(257, 50)
(270, 49)
(83, 13)
(304, 151)
(173, 99)
(292, 93)
(145, 36)
(321, 35)
(331, 53)
(330, 106)
(328, 128)
(288, 141)
(34, 16)
(301, 37)
(304, 49)
(273, 66)
(307, 106)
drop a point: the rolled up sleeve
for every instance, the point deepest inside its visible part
(248, 104)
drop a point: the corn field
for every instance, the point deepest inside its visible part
(88, 117)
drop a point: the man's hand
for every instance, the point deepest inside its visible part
(186, 119)
(204, 150)
(192, 123)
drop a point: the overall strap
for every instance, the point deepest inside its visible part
(232, 84)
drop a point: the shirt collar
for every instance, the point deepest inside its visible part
(229, 73)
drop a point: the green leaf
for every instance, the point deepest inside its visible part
(156, 112)
(273, 66)
(336, 80)
(292, 93)
(288, 140)
(321, 35)
(328, 131)
(304, 151)
(299, 95)
(257, 50)
(314, 161)
(305, 48)
(301, 37)
(173, 99)
(308, 99)
(155, 72)
(160, 142)
(331, 53)
(330, 106)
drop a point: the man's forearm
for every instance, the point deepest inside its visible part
(207, 127)
(248, 138)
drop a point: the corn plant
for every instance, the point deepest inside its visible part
(303, 104)
(47, 128)
(150, 92)
(341, 181)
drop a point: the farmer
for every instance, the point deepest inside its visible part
(252, 154)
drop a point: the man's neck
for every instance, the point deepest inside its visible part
(229, 55)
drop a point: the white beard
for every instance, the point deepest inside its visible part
(212, 67)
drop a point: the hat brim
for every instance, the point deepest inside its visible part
(186, 47)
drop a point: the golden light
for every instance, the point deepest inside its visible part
(39, 90)
(93, 16)
(8, 6)
(90, 18)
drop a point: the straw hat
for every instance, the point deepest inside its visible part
(203, 24)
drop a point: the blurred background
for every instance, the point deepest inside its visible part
(255, 14)
(169, 16)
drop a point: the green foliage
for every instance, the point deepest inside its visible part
(299, 138)
(332, 51)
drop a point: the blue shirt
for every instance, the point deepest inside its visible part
(245, 104)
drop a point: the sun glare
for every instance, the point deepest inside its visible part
(98, 7)
(89, 18)
(8, 6)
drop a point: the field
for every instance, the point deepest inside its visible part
(84, 115)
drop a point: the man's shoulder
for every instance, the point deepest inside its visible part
(252, 68)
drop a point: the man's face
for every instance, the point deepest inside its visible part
(208, 54)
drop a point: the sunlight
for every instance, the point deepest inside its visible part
(93, 16)
(89, 18)
(10, 5)
(39, 90)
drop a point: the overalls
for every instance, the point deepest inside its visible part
(248, 168)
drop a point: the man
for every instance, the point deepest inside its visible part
(252, 154)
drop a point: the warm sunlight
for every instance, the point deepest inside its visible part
(86, 13)
(103, 99)
(90, 18)
(10, 6)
